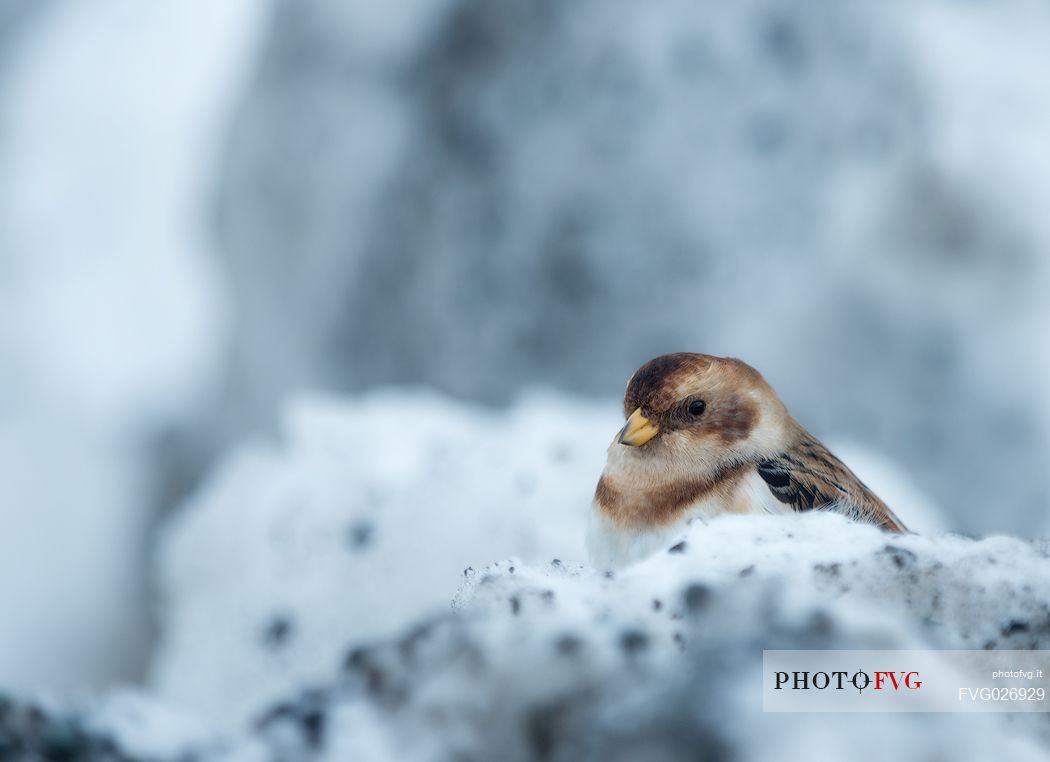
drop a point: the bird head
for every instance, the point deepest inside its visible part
(690, 413)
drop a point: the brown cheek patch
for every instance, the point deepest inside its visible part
(663, 505)
(732, 420)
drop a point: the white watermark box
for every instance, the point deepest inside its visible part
(906, 681)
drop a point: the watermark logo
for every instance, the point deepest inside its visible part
(843, 680)
(905, 681)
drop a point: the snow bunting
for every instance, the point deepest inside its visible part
(705, 436)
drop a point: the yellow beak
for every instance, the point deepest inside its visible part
(638, 430)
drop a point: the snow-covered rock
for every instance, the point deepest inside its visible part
(400, 577)
(662, 661)
(121, 726)
(359, 520)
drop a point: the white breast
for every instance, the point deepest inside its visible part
(611, 546)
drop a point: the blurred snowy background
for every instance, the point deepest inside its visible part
(293, 291)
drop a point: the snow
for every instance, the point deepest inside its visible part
(111, 310)
(558, 661)
(401, 576)
(561, 662)
(360, 519)
(147, 727)
(359, 524)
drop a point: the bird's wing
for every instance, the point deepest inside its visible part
(809, 476)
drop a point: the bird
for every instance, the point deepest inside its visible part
(706, 436)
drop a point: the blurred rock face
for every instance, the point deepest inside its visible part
(575, 188)
(488, 195)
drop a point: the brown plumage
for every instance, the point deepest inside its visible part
(807, 476)
(664, 504)
(708, 435)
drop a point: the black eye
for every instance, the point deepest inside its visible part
(697, 407)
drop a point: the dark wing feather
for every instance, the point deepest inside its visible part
(809, 476)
